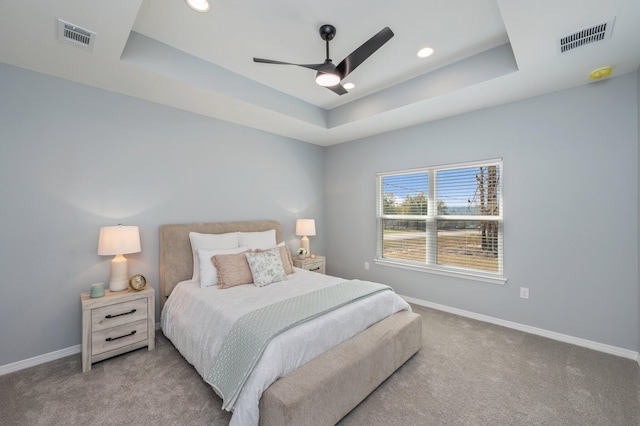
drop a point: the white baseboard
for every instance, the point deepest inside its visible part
(613, 350)
(601, 347)
(41, 359)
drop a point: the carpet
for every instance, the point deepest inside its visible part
(467, 373)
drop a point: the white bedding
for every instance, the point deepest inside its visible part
(197, 321)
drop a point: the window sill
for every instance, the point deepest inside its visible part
(441, 271)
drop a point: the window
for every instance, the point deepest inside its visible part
(445, 219)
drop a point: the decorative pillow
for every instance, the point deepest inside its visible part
(285, 257)
(233, 270)
(208, 271)
(266, 267)
(257, 240)
(210, 242)
(287, 262)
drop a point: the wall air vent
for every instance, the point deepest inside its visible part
(74, 35)
(586, 36)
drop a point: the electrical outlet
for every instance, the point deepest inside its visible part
(524, 293)
(366, 265)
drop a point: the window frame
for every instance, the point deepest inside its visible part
(430, 264)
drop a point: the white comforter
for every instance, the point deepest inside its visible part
(197, 321)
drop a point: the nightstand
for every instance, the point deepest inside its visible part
(317, 264)
(116, 323)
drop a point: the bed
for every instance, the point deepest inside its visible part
(315, 391)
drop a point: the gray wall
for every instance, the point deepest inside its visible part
(75, 158)
(570, 203)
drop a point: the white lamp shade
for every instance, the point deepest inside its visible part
(118, 240)
(305, 227)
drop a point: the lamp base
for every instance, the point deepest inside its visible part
(118, 285)
(119, 280)
(304, 243)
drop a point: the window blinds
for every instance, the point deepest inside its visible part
(444, 217)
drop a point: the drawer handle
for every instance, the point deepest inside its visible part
(111, 339)
(315, 269)
(119, 315)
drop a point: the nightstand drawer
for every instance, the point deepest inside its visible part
(118, 314)
(119, 336)
(314, 266)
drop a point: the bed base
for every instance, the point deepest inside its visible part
(328, 387)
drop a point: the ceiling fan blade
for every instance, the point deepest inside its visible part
(338, 89)
(324, 67)
(367, 49)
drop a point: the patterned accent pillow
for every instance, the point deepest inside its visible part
(285, 256)
(266, 267)
(233, 270)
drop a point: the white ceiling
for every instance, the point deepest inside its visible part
(487, 52)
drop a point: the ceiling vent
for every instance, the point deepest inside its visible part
(586, 36)
(74, 35)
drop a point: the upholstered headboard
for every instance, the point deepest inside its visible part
(176, 259)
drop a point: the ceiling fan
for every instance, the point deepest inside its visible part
(330, 75)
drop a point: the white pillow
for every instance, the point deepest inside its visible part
(208, 270)
(210, 242)
(257, 240)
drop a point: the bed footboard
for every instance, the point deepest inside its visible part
(327, 388)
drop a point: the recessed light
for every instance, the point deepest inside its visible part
(349, 86)
(424, 52)
(199, 5)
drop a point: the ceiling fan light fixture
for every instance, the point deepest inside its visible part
(327, 79)
(349, 86)
(329, 75)
(199, 5)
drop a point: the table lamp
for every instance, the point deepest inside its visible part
(304, 228)
(119, 240)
